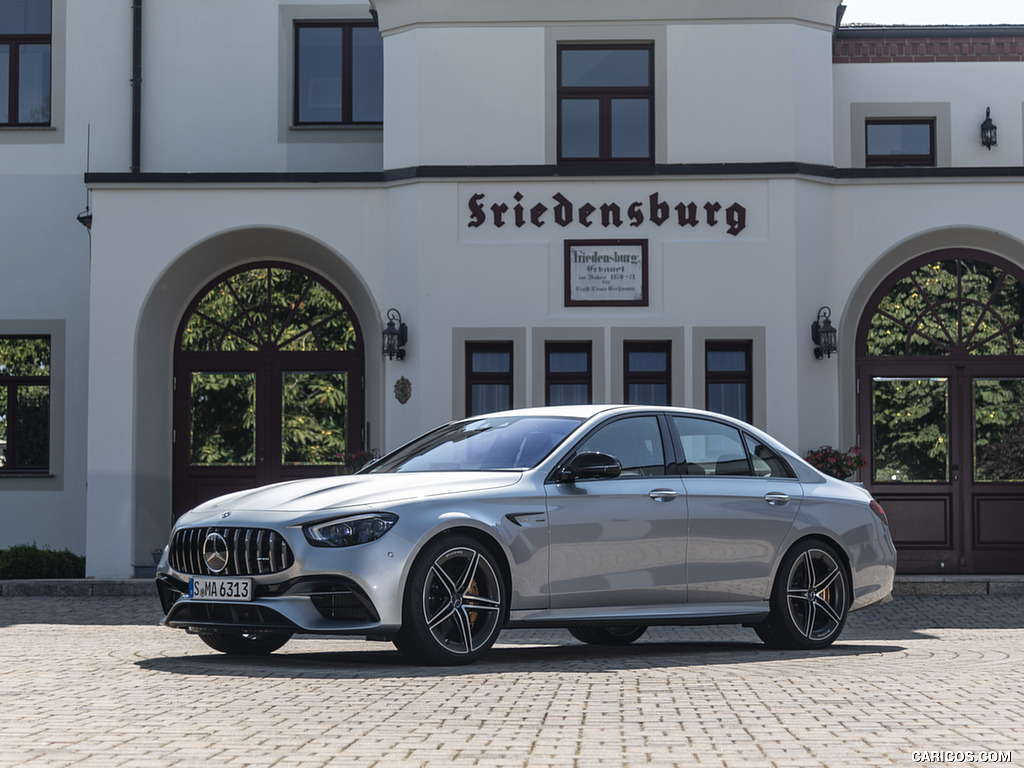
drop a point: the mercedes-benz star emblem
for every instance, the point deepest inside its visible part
(215, 552)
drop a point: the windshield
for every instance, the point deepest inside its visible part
(510, 442)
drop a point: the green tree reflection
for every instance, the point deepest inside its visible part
(269, 310)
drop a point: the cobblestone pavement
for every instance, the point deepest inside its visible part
(97, 682)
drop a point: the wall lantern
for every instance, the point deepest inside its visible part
(988, 131)
(823, 334)
(395, 336)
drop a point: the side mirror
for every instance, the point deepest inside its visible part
(589, 466)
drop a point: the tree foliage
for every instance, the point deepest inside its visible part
(269, 310)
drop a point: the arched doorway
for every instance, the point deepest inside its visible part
(268, 383)
(940, 382)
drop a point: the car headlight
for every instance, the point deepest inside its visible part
(348, 531)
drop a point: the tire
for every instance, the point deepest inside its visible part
(454, 606)
(810, 599)
(237, 643)
(607, 635)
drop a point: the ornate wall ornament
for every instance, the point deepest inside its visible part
(403, 390)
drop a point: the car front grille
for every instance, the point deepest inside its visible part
(250, 551)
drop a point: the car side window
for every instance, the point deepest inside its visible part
(711, 448)
(766, 462)
(635, 442)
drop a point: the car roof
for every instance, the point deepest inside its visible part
(589, 411)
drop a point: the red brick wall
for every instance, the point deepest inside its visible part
(894, 48)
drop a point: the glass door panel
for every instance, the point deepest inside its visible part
(910, 430)
(314, 410)
(998, 430)
(222, 429)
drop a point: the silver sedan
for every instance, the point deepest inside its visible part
(604, 520)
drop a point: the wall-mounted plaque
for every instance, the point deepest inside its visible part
(606, 273)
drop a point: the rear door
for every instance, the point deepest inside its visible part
(742, 500)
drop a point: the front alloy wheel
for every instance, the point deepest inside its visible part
(810, 599)
(454, 603)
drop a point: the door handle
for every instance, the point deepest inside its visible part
(663, 494)
(776, 498)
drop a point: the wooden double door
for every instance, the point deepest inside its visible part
(941, 412)
(268, 384)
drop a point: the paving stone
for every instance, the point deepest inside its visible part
(97, 682)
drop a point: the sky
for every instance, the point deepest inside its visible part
(934, 12)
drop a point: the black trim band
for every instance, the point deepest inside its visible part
(428, 172)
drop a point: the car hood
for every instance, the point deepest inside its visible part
(328, 493)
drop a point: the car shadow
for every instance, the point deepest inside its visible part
(358, 664)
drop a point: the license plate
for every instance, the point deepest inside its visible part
(220, 589)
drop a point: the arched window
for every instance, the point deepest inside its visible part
(269, 308)
(952, 307)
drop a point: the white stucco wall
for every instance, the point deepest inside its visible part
(742, 93)
(44, 255)
(465, 96)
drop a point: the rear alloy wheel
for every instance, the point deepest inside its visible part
(607, 635)
(810, 599)
(454, 604)
(238, 643)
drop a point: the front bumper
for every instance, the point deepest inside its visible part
(347, 591)
(311, 604)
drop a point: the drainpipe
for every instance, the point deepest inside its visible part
(136, 85)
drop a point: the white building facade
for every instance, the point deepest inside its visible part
(564, 200)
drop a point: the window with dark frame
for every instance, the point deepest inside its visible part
(488, 377)
(729, 379)
(648, 372)
(606, 102)
(568, 372)
(25, 42)
(339, 74)
(899, 142)
(24, 404)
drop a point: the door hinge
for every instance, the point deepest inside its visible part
(858, 386)
(174, 436)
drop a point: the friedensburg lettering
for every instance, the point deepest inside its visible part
(608, 215)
